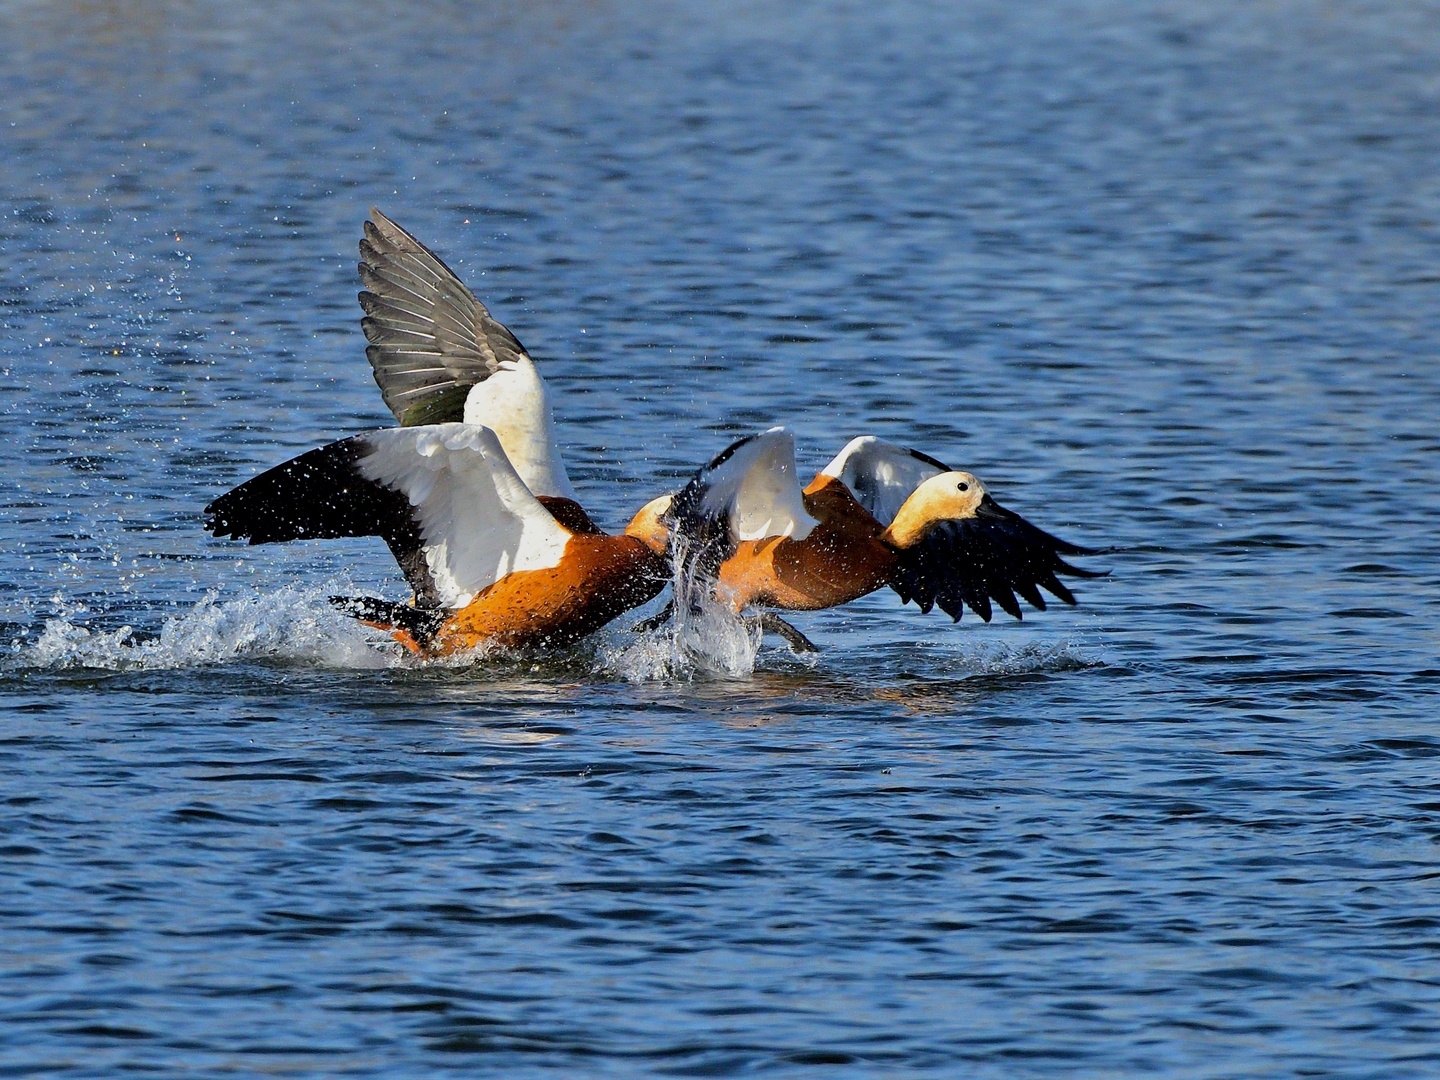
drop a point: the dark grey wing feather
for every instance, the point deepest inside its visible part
(322, 495)
(430, 339)
(991, 556)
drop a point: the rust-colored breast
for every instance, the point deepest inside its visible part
(840, 560)
(598, 578)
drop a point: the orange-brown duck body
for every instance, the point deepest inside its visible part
(932, 534)
(488, 560)
(842, 559)
(598, 578)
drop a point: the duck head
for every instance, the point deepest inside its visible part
(951, 496)
(649, 525)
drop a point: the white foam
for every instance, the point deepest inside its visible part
(978, 658)
(296, 625)
(712, 642)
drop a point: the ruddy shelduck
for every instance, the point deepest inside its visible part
(488, 560)
(470, 492)
(879, 514)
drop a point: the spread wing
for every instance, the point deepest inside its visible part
(430, 339)
(991, 556)
(881, 475)
(445, 498)
(747, 492)
(968, 562)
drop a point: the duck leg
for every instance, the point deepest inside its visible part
(768, 622)
(654, 622)
(797, 641)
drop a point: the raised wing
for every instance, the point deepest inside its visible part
(991, 556)
(752, 487)
(445, 498)
(430, 339)
(749, 491)
(881, 475)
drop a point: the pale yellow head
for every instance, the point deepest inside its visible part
(950, 496)
(648, 527)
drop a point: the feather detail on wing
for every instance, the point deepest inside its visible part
(753, 483)
(430, 339)
(748, 491)
(445, 498)
(991, 556)
(881, 475)
(478, 520)
(321, 495)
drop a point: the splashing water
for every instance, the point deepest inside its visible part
(710, 641)
(702, 637)
(295, 625)
(298, 625)
(990, 658)
(714, 639)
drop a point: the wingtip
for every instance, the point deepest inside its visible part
(1065, 568)
(730, 451)
(1055, 587)
(212, 522)
(934, 463)
(1075, 549)
(388, 231)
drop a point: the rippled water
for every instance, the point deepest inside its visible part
(1164, 274)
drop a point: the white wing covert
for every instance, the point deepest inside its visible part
(445, 498)
(882, 475)
(749, 491)
(476, 518)
(753, 486)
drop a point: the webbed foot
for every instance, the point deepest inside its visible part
(798, 642)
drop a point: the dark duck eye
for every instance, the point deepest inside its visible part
(962, 486)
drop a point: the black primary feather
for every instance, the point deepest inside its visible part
(322, 495)
(991, 556)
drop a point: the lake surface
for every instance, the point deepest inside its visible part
(1163, 274)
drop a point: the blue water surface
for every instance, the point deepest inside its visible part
(1164, 274)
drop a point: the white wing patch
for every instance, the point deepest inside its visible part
(881, 475)
(515, 404)
(478, 520)
(757, 489)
